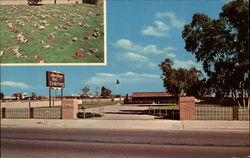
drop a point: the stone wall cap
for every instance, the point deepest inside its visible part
(186, 99)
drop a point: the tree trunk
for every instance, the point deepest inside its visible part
(248, 100)
(243, 97)
(235, 98)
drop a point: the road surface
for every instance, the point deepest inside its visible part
(91, 143)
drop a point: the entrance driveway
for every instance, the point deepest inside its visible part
(123, 112)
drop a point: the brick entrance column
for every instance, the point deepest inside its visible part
(187, 108)
(69, 109)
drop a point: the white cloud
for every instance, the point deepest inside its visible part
(136, 57)
(161, 25)
(175, 22)
(170, 15)
(160, 30)
(150, 76)
(15, 84)
(154, 65)
(128, 77)
(226, 1)
(153, 32)
(125, 44)
(186, 64)
(106, 74)
(171, 55)
(153, 49)
(130, 46)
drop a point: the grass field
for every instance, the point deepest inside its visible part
(176, 107)
(52, 34)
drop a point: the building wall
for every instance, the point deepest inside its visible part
(150, 100)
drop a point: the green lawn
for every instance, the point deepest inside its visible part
(98, 104)
(208, 105)
(176, 107)
(49, 31)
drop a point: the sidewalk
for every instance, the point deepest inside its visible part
(128, 124)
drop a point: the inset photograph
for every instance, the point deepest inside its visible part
(44, 32)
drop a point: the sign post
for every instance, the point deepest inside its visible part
(54, 80)
(49, 97)
(85, 92)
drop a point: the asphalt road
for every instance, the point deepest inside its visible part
(82, 143)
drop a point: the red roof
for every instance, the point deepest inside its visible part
(151, 94)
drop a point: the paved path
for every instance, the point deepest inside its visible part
(122, 112)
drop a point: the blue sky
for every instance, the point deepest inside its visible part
(140, 34)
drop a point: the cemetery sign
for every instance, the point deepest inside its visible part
(55, 80)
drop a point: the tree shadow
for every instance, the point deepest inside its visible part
(35, 4)
(129, 112)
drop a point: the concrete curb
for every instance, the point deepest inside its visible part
(128, 124)
(216, 125)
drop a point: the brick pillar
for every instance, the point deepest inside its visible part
(187, 108)
(3, 112)
(235, 113)
(69, 109)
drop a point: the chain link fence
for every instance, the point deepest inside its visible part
(220, 113)
(47, 112)
(36, 113)
(22, 113)
(244, 114)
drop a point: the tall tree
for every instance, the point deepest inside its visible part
(105, 92)
(1, 96)
(181, 81)
(222, 46)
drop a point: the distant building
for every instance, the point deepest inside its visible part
(20, 96)
(75, 95)
(152, 97)
(9, 98)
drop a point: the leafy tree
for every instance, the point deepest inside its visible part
(105, 92)
(181, 81)
(1, 96)
(222, 46)
(33, 94)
